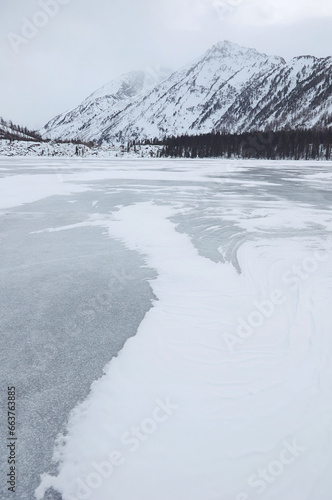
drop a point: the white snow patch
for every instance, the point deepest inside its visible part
(233, 410)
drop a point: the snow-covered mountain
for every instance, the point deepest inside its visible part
(88, 120)
(230, 88)
(294, 95)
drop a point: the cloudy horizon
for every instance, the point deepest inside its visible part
(54, 53)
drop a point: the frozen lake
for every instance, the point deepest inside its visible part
(220, 274)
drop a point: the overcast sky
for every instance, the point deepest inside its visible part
(82, 44)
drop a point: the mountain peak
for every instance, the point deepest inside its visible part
(227, 49)
(229, 45)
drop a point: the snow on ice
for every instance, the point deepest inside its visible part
(225, 391)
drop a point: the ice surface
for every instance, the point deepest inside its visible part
(224, 393)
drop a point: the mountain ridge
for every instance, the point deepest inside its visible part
(229, 88)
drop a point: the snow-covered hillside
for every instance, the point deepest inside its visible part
(295, 95)
(199, 95)
(86, 121)
(9, 131)
(230, 88)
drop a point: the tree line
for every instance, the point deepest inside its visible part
(311, 144)
(12, 132)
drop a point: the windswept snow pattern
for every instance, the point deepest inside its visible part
(224, 393)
